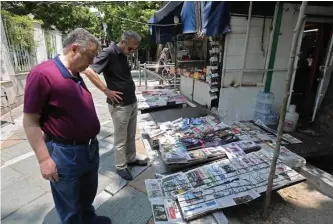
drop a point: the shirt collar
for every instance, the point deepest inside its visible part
(63, 70)
(115, 46)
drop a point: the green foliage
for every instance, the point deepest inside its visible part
(65, 16)
(122, 16)
(48, 41)
(19, 30)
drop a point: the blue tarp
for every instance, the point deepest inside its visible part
(188, 17)
(164, 34)
(215, 19)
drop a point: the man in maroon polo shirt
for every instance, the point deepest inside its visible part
(58, 104)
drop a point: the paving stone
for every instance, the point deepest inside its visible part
(105, 147)
(151, 221)
(39, 211)
(109, 125)
(107, 166)
(103, 181)
(15, 196)
(129, 206)
(140, 148)
(109, 139)
(11, 141)
(21, 134)
(105, 132)
(139, 182)
(9, 176)
(15, 151)
(118, 183)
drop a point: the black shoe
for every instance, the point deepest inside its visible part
(99, 220)
(138, 162)
(125, 173)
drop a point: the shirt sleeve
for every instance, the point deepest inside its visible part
(36, 93)
(101, 61)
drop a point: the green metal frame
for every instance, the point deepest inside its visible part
(274, 48)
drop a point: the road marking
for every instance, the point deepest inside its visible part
(17, 159)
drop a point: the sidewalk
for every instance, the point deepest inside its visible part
(26, 196)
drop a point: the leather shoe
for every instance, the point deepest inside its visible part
(138, 162)
(124, 173)
(100, 220)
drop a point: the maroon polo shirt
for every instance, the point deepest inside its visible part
(63, 101)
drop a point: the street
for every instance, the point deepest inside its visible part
(26, 196)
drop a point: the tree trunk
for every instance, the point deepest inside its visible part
(294, 44)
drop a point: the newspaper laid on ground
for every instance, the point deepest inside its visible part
(166, 211)
(286, 156)
(222, 184)
(154, 189)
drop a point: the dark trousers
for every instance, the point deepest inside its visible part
(74, 193)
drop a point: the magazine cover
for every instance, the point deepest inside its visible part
(175, 184)
(216, 151)
(233, 151)
(154, 189)
(196, 177)
(291, 139)
(197, 155)
(166, 211)
(246, 145)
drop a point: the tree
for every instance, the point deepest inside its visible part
(63, 15)
(121, 16)
(294, 44)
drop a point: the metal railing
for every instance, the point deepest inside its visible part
(166, 81)
(23, 60)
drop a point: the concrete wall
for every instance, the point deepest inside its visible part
(7, 70)
(41, 52)
(239, 103)
(289, 19)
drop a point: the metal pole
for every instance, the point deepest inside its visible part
(246, 42)
(139, 73)
(145, 72)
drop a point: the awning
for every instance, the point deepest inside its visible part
(213, 17)
(164, 16)
(209, 18)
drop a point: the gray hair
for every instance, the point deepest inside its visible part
(80, 37)
(127, 35)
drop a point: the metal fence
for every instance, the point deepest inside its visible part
(23, 60)
(51, 45)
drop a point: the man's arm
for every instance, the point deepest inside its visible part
(36, 95)
(101, 62)
(93, 77)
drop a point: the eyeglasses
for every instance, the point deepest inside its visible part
(130, 49)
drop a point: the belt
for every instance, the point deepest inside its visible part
(48, 138)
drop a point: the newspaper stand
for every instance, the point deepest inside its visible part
(206, 188)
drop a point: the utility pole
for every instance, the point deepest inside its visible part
(297, 30)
